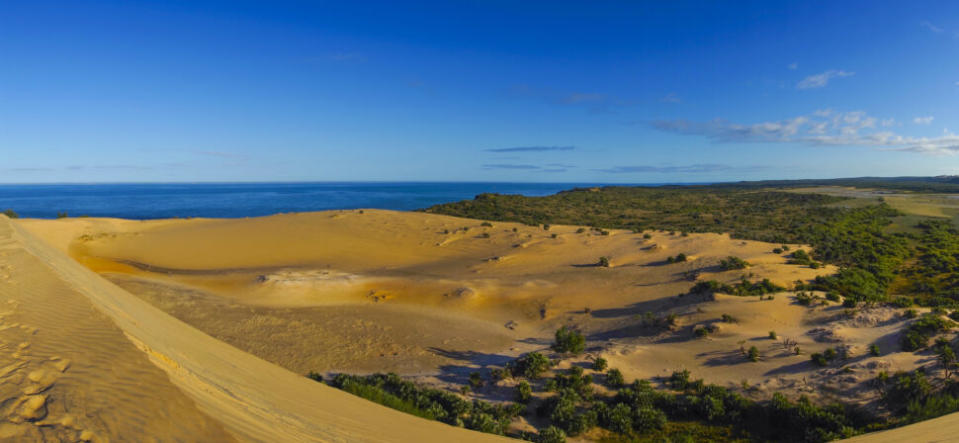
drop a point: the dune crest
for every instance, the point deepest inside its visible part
(70, 338)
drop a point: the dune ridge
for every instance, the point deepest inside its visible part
(252, 399)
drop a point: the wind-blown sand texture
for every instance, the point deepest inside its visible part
(435, 298)
(81, 359)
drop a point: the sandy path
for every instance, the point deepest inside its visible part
(126, 396)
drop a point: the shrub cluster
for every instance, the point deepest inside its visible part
(434, 404)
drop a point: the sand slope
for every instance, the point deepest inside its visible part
(78, 331)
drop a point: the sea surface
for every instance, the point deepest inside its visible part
(147, 201)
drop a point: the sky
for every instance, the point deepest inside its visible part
(598, 91)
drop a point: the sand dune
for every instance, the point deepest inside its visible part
(75, 342)
(435, 298)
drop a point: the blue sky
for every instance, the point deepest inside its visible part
(637, 92)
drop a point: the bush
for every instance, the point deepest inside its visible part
(603, 262)
(648, 419)
(679, 258)
(551, 434)
(701, 332)
(773, 336)
(910, 313)
(11, 214)
(902, 302)
(475, 380)
(818, 359)
(599, 364)
(874, 350)
(620, 419)
(753, 354)
(523, 392)
(569, 341)
(732, 263)
(777, 250)
(728, 318)
(614, 378)
(832, 296)
(647, 236)
(917, 335)
(830, 354)
(531, 365)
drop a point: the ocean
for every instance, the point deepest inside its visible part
(149, 201)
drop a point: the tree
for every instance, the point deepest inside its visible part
(11, 214)
(569, 341)
(603, 262)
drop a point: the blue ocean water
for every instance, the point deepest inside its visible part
(146, 201)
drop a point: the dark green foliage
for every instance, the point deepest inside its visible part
(830, 354)
(910, 313)
(731, 263)
(753, 354)
(777, 250)
(486, 224)
(679, 258)
(818, 359)
(551, 434)
(11, 214)
(679, 380)
(917, 335)
(391, 391)
(614, 378)
(701, 332)
(475, 380)
(574, 380)
(315, 376)
(523, 392)
(599, 364)
(569, 341)
(531, 365)
(874, 350)
(742, 288)
(832, 296)
(728, 318)
(801, 257)
(603, 262)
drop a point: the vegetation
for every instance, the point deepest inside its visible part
(599, 364)
(742, 288)
(917, 335)
(732, 263)
(434, 404)
(11, 214)
(531, 365)
(603, 262)
(679, 258)
(569, 341)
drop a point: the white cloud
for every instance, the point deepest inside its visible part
(671, 98)
(820, 80)
(923, 120)
(819, 129)
(931, 27)
(793, 66)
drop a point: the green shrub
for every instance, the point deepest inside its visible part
(603, 262)
(818, 359)
(569, 341)
(728, 318)
(773, 336)
(910, 313)
(551, 434)
(599, 364)
(732, 263)
(523, 392)
(531, 365)
(777, 251)
(874, 350)
(11, 214)
(614, 378)
(753, 354)
(832, 296)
